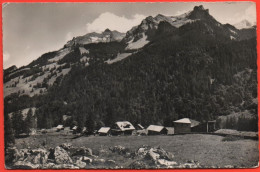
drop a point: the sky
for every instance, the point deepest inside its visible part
(32, 29)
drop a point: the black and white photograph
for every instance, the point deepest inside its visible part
(130, 85)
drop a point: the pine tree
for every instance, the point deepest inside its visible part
(18, 123)
(8, 132)
(28, 123)
(90, 124)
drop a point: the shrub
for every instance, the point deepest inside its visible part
(231, 138)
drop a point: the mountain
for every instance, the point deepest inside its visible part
(244, 24)
(165, 68)
(142, 34)
(106, 36)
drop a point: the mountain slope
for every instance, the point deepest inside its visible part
(158, 72)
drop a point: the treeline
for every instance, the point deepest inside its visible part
(241, 123)
(152, 87)
(16, 124)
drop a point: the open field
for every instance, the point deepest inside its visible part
(208, 150)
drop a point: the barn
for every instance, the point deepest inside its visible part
(156, 130)
(104, 131)
(122, 128)
(184, 125)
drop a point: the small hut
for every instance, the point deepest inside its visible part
(75, 129)
(122, 128)
(156, 130)
(59, 128)
(184, 125)
(104, 131)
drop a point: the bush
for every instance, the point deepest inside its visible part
(229, 138)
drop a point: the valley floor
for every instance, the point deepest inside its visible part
(208, 150)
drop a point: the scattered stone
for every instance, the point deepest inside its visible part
(110, 162)
(38, 156)
(83, 152)
(138, 165)
(168, 164)
(228, 166)
(86, 159)
(145, 157)
(80, 164)
(98, 161)
(121, 150)
(25, 165)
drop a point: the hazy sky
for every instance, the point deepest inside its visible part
(31, 29)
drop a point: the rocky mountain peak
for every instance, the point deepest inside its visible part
(199, 12)
(107, 30)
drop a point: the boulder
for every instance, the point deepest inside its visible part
(61, 156)
(38, 156)
(82, 151)
(66, 146)
(11, 155)
(80, 163)
(156, 157)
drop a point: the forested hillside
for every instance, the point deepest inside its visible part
(200, 70)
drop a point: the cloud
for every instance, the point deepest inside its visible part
(113, 22)
(69, 36)
(28, 47)
(6, 56)
(180, 12)
(250, 13)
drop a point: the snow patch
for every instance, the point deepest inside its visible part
(232, 38)
(50, 66)
(84, 59)
(60, 55)
(233, 31)
(181, 20)
(83, 50)
(53, 78)
(137, 44)
(119, 57)
(94, 39)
